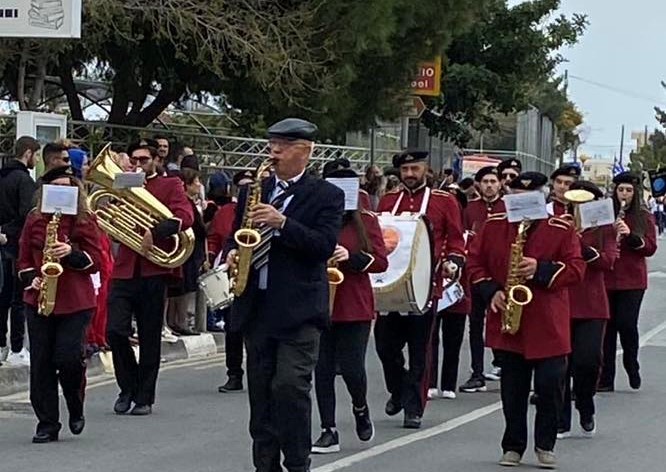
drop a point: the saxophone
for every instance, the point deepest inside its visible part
(247, 237)
(517, 294)
(51, 269)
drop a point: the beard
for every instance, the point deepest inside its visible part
(412, 182)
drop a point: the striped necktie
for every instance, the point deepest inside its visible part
(260, 254)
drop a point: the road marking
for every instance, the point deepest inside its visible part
(440, 428)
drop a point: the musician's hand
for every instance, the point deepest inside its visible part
(498, 302)
(231, 260)
(147, 242)
(527, 267)
(60, 249)
(340, 254)
(621, 228)
(35, 285)
(450, 269)
(268, 215)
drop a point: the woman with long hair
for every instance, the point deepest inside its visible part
(627, 282)
(57, 340)
(360, 251)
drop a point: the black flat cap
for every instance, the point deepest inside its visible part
(514, 164)
(485, 171)
(568, 170)
(56, 173)
(529, 181)
(626, 178)
(409, 156)
(293, 129)
(336, 164)
(588, 186)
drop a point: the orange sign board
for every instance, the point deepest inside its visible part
(428, 79)
(415, 107)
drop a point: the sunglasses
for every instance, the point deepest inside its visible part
(142, 159)
(509, 175)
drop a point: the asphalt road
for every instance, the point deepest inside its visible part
(195, 428)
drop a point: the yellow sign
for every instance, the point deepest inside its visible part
(429, 78)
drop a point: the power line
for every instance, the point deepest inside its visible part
(619, 90)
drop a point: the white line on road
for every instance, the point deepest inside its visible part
(440, 428)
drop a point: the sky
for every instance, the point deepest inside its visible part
(622, 50)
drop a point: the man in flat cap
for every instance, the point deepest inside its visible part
(285, 306)
(561, 179)
(508, 170)
(474, 216)
(551, 263)
(395, 330)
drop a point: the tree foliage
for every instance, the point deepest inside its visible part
(651, 156)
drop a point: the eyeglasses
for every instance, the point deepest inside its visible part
(283, 143)
(142, 159)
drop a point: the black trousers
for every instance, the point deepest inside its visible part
(143, 297)
(392, 332)
(477, 343)
(584, 365)
(515, 383)
(625, 306)
(233, 347)
(56, 355)
(279, 375)
(344, 345)
(453, 332)
(11, 307)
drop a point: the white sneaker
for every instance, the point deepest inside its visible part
(4, 352)
(494, 374)
(434, 393)
(168, 336)
(18, 359)
(449, 395)
(564, 434)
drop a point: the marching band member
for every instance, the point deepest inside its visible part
(507, 171)
(551, 262)
(561, 180)
(627, 282)
(589, 312)
(474, 216)
(360, 251)
(395, 330)
(57, 340)
(139, 289)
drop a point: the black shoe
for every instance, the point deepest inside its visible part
(364, 428)
(76, 425)
(474, 384)
(327, 443)
(234, 384)
(605, 388)
(185, 332)
(588, 426)
(393, 407)
(534, 399)
(634, 380)
(411, 421)
(123, 404)
(141, 410)
(42, 438)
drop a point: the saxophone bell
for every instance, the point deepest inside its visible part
(335, 278)
(520, 295)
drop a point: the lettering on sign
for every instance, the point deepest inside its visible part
(428, 79)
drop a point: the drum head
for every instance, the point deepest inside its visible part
(422, 269)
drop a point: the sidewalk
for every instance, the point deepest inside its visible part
(16, 379)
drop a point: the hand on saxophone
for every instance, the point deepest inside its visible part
(60, 249)
(340, 254)
(498, 302)
(231, 260)
(527, 267)
(35, 284)
(265, 214)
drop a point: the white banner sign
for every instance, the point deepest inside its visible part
(40, 19)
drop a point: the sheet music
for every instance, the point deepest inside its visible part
(597, 213)
(129, 180)
(350, 187)
(527, 205)
(60, 198)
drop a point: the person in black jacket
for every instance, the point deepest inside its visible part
(285, 305)
(17, 191)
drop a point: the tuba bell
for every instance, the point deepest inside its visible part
(576, 198)
(126, 214)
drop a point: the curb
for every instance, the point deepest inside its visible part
(17, 379)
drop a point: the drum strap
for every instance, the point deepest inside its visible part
(424, 203)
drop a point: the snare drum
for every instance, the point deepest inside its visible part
(216, 288)
(407, 284)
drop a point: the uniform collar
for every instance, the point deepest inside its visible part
(418, 189)
(152, 176)
(494, 200)
(291, 181)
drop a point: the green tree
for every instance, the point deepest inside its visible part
(651, 156)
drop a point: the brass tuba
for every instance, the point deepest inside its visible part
(516, 292)
(576, 198)
(126, 214)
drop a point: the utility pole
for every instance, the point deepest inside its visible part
(621, 145)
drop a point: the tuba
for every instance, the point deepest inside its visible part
(126, 214)
(516, 292)
(51, 270)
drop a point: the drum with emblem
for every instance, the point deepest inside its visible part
(216, 288)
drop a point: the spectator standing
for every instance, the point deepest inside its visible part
(374, 181)
(55, 155)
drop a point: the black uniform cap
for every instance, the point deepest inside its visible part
(626, 178)
(56, 173)
(514, 164)
(409, 156)
(568, 170)
(485, 171)
(529, 181)
(334, 165)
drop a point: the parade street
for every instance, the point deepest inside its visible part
(195, 428)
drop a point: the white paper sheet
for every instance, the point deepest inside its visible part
(597, 213)
(129, 180)
(350, 186)
(528, 205)
(60, 198)
(450, 296)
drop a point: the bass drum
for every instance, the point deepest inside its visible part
(216, 288)
(407, 284)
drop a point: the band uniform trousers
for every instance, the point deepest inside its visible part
(279, 374)
(625, 306)
(56, 356)
(453, 332)
(477, 343)
(392, 332)
(143, 297)
(584, 366)
(11, 306)
(516, 381)
(343, 345)
(233, 347)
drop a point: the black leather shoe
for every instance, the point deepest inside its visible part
(635, 380)
(76, 425)
(411, 422)
(42, 438)
(605, 388)
(123, 404)
(141, 410)
(393, 407)
(534, 399)
(234, 384)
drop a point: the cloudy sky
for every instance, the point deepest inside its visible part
(616, 69)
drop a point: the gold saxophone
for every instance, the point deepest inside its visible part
(247, 237)
(517, 294)
(335, 278)
(51, 269)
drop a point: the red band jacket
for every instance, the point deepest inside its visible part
(545, 325)
(220, 228)
(476, 213)
(75, 291)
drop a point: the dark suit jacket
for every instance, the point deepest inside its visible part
(297, 292)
